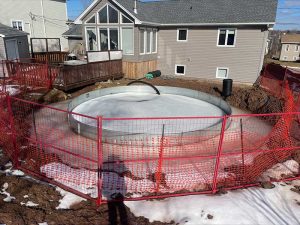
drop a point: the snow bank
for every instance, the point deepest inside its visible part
(248, 206)
(29, 204)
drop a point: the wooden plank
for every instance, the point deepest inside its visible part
(136, 70)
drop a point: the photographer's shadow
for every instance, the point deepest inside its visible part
(114, 191)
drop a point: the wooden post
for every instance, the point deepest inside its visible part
(160, 160)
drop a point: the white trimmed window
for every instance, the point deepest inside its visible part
(108, 15)
(295, 58)
(125, 20)
(182, 35)
(222, 73)
(180, 69)
(127, 40)
(226, 37)
(17, 24)
(91, 20)
(91, 39)
(109, 39)
(287, 48)
(284, 57)
(148, 41)
(297, 48)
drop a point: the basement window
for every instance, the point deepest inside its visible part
(222, 73)
(180, 69)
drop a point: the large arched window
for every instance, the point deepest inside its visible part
(108, 15)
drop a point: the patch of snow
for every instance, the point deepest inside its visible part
(248, 206)
(25, 196)
(9, 164)
(8, 197)
(68, 199)
(29, 204)
(18, 173)
(45, 223)
(280, 170)
(11, 89)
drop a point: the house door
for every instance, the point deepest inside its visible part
(12, 51)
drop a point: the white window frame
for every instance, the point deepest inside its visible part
(187, 35)
(144, 50)
(12, 20)
(287, 48)
(155, 41)
(108, 37)
(107, 23)
(297, 48)
(121, 38)
(285, 57)
(295, 58)
(180, 74)
(226, 38)
(91, 18)
(86, 40)
(151, 37)
(121, 21)
(222, 68)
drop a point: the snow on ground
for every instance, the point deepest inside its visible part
(29, 204)
(11, 89)
(249, 206)
(8, 197)
(68, 199)
(280, 170)
(246, 206)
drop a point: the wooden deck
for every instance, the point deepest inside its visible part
(67, 77)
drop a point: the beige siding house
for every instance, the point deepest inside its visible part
(290, 47)
(209, 39)
(39, 18)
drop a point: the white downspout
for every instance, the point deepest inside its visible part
(43, 16)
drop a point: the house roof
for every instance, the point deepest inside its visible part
(74, 31)
(6, 31)
(290, 38)
(199, 12)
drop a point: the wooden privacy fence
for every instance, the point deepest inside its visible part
(68, 77)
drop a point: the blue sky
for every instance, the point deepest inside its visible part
(288, 12)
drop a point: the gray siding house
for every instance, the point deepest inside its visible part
(39, 18)
(210, 39)
(290, 47)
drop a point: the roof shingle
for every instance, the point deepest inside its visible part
(7, 31)
(204, 11)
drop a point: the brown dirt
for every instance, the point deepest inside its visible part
(83, 213)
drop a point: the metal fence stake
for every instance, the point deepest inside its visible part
(215, 179)
(99, 160)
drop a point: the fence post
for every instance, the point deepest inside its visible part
(242, 146)
(283, 82)
(160, 160)
(215, 179)
(99, 160)
(15, 154)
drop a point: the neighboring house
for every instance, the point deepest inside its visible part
(39, 18)
(193, 38)
(75, 40)
(290, 47)
(13, 44)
